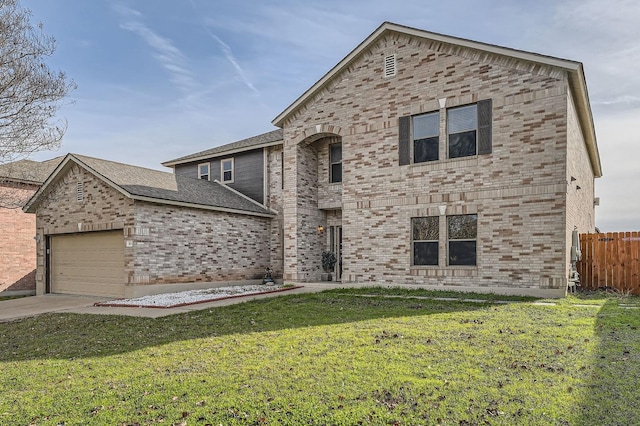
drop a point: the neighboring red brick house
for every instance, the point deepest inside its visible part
(18, 182)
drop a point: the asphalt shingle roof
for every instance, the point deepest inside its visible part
(244, 144)
(163, 186)
(29, 171)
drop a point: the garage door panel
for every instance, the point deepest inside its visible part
(89, 263)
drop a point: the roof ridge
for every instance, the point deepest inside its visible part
(81, 156)
(270, 137)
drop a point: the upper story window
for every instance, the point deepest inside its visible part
(468, 132)
(226, 170)
(426, 131)
(462, 128)
(335, 160)
(203, 171)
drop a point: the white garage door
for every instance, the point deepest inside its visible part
(89, 263)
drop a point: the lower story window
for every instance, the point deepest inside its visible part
(424, 239)
(462, 231)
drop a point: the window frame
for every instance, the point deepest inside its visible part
(231, 170)
(414, 140)
(475, 130)
(483, 133)
(332, 163)
(456, 240)
(208, 174)
(436, 241)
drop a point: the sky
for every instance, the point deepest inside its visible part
(159, 79)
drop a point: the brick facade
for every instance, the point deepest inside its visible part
(17, 243)
(521, 192)
(275, 186)
(164, 244)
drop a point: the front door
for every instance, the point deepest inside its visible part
(335, 245)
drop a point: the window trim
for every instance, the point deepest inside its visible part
(208, 174)
(413, 256)
(412, 140)
(483, 134)
(332, 163)
(448, 133)
(232, 170)
(449, 240)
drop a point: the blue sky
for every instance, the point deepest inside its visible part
(165, 78)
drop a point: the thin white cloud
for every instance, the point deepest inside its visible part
(169, 56)
(619, 100)
(226, 50)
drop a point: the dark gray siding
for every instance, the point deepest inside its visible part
(190, 171)
(248, 172)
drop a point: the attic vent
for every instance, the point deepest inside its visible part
(390, 66)
(79, 191)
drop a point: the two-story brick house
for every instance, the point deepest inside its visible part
(461, 164)
(418, 159)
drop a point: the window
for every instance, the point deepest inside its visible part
(462, 130)
(469, 132)
(426, 130)
(203, 171)
(226, 170)
(462, 233)
(425, 234)
(335, 160)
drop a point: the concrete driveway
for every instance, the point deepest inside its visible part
(35, 305)
(29, 306)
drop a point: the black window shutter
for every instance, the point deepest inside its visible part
(484, 126)
(404, 142)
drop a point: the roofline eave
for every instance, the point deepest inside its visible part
(200, 206)
(172, 163)
(388, 26)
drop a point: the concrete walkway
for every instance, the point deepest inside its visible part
(35, 305)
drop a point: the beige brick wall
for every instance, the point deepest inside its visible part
(17, 245)
(303, 244)
(275, 202)
(581, 191)
(102, 208)
(173, 244)
(163, 244)
(519, 191)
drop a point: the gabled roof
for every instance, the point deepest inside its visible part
(28, 171)
(273, 137)
(154, 186)
(574, 70)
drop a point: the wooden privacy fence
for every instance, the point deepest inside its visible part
(610, 260)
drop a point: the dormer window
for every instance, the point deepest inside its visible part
(226, 170)
(203, 171)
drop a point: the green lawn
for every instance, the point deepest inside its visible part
(333, 358)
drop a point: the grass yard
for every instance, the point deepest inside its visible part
(333, 358)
